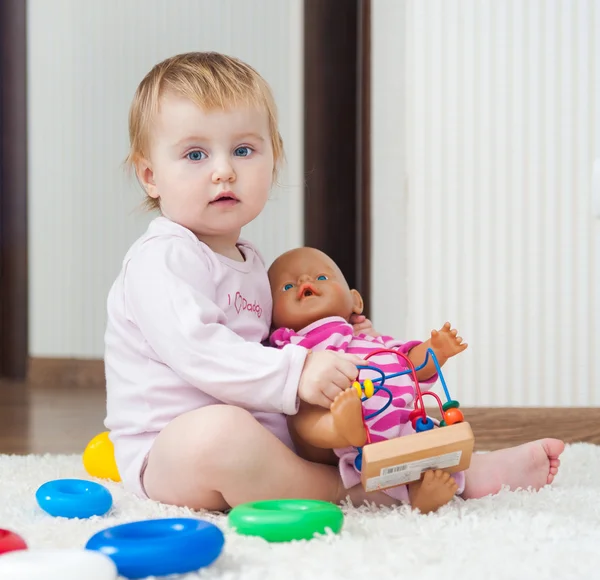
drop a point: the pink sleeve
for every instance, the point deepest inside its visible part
(405, 348)
(170, 296)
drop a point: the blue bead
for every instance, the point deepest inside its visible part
(423, 425)
(159, 547)
(73, 498)
(358, 460)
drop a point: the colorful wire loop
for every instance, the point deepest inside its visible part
(419, 419)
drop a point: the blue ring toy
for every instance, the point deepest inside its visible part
(159, 547)
(73, 498)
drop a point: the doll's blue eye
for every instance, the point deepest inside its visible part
(321, 277)
(288, 287)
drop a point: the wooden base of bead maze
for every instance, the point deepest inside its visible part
(404, 459)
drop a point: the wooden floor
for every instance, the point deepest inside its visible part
(62, 406)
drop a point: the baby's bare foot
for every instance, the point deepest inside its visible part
(435, 489)
(532, 465)
(346, 411)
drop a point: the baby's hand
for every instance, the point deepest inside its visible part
(445, 343)
(325, 375)
(361, 324)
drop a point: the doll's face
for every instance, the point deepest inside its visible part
(306, 286)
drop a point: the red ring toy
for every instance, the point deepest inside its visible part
(10, 542)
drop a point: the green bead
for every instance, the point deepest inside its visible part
(451, 405)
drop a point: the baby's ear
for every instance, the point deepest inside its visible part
(145, 175)
(357, 302)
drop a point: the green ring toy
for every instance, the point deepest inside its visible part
(283, 520)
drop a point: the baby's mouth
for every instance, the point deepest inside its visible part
(225, 197)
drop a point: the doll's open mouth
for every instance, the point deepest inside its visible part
(306, 291)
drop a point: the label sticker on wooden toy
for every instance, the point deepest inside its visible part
(411, 471)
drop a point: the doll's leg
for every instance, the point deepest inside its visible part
(334, 428)
(434, 490)
(308, 451)
(221, 456)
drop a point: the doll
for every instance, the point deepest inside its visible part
(312, 306)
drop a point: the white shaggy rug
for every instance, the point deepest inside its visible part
(553, 534)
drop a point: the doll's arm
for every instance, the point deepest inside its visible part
(445, 344)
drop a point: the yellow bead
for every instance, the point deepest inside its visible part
(369, 388)
(99, 458)
(356, 386)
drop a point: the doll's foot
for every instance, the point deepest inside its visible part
(346, 411)
(435, 489)
(532, 465)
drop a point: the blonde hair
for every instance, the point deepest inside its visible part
(209, 79)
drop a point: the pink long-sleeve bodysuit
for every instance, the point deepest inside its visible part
(184, 331)
(334, 333)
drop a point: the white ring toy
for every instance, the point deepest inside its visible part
(56, 565)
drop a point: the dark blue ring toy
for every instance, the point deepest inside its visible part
(73, 498)
(159, 547)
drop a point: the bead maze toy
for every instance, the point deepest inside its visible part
(404, 459)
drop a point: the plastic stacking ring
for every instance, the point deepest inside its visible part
(286, 519)
(159, 547)
(69, 564)
(74, 498)
(99, 458)
(11, 542)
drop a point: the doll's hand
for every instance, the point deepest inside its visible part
(445, 343)
(362, 325)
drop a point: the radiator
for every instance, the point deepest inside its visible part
(503, 99)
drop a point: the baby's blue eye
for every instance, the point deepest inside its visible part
(196, 155)
(242, 151)
(288, 287)
(322, 277)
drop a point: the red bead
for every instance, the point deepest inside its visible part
(414, 415)
(10, 542)
(453, 416)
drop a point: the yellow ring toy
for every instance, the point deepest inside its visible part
(99, 458)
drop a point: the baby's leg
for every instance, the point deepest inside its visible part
(340, 426)
(531, 465)
(220, 456)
